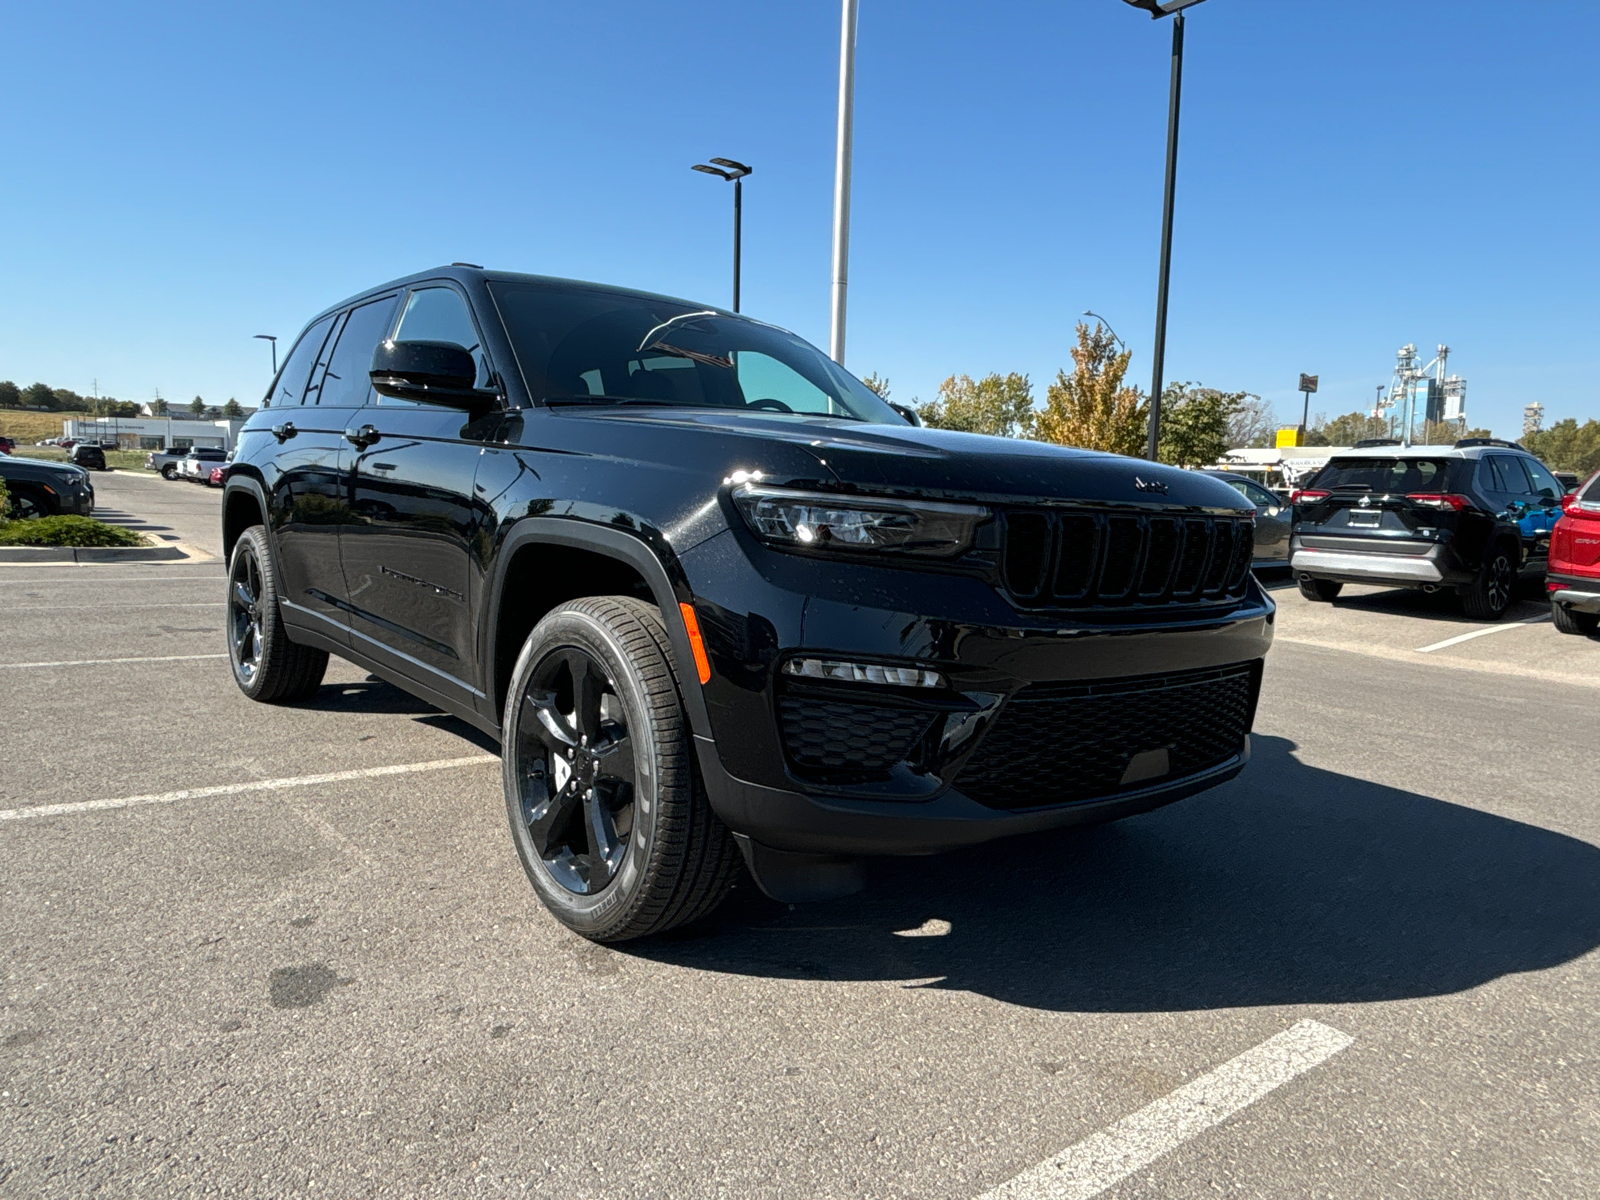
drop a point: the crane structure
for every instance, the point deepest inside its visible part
(1437, 397)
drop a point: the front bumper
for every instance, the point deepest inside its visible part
(758, 607)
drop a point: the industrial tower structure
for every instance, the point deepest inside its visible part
(1413, 392)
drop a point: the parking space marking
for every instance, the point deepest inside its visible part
(140, 578)
(120, 605)
(1105, 1159)
(1478, 633)
(231, 789)
(104, 662)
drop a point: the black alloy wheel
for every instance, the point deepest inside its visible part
(607, 810)
(267, 666)
(28, 503)
(1488, 596)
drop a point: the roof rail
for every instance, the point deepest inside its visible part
(1463, 443)
(1364, 442)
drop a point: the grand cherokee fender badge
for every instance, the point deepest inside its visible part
(1150, 485)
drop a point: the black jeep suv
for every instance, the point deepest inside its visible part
(718, 601)
(1474, 518)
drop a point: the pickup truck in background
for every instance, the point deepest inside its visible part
(165, 461)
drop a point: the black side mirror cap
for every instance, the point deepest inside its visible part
(429, 373)
(906, 411)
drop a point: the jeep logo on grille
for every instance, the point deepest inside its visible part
(1149, 485)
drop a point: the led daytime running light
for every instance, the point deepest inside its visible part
(851, 672)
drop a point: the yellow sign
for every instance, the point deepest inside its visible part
(1289, 436)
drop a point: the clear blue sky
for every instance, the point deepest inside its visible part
(1354, 176)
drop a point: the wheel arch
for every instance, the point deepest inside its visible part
(546, 561)
(244, 503)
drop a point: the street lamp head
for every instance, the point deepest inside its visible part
(266, 337)
(737, 169)
(1162, 8)
(711, 171)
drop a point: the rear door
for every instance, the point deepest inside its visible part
(305, 489)
(409, 555)
(1503, 476)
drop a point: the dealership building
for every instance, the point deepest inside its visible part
(156, 433)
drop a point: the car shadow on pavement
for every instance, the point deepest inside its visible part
(1445, 607)
(1291, 885)
(374, 695)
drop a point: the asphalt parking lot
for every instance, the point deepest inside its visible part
(289, 951)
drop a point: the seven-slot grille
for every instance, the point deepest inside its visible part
(1072, 559)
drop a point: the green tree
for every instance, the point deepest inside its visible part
(1001, 405)
(10, 394)
(160, 407)
(1346, 430)
(1567, 446)
(39, 395)
(1091, 408)
(197, 406)
(879, 385)
(67, 400)
(1194, 424)
(232, 408)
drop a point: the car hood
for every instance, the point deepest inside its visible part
(17, 467)
(936, 462)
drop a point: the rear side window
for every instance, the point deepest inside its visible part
(347, 382)
(1384, 476)
(1545, 484)
(291, 385)
(1503, 473)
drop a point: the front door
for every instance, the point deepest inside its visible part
(407, 555)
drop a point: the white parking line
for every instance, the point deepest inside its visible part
(103, 579)
(118, 607)
(230, 789)
(1110, 1156)
(1478, 633)
(101, 662)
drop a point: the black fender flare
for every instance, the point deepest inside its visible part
(626, 547)
(236, 483)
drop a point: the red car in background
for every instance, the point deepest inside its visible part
(216, 477)
(1573, 578)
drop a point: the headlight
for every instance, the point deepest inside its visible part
(816, 521)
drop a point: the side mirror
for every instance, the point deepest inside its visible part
(428, 372)
(906, 411)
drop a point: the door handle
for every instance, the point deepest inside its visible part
(362, 437)
(284, 432)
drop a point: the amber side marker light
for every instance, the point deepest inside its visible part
(697, 644)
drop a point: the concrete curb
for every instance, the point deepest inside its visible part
(103, 554)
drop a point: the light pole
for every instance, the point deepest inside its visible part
(1091, 313)
(267, 337)
(841, 178)
(726, 168)
(1158, 9)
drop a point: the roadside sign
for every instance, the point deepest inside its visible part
(1308, 383)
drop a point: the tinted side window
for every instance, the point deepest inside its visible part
(439, 314)
(347, 382)
(1514, 480)
(292, 379)
(1544, 483)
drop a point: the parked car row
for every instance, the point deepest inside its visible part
(1477, 519)
(198, 464)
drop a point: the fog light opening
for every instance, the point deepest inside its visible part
(853, 672)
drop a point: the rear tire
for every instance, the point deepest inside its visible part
(1488, 596)
(607, 809)
(1320, 590)
(169, 472)
(267, 666)
(1571, 621)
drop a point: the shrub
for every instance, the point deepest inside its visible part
(66, 530)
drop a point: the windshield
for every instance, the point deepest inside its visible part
(578, 346)
(1383, 476)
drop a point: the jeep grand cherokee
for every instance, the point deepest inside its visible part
(721, 603)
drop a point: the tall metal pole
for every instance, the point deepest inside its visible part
(1166, 236)
(841, 179)
(738, 208)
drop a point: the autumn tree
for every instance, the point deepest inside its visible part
(1253, 425)
(1090, 407)
(878, 385)
(1194, 424)
(996, 404)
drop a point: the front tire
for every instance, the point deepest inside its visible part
(1320, 590)
(29, 502)
(1488, 596)
(607, 809)
(1571, 621)
(267, 666)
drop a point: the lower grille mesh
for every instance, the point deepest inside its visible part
(1059, 743)
(849, 739)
